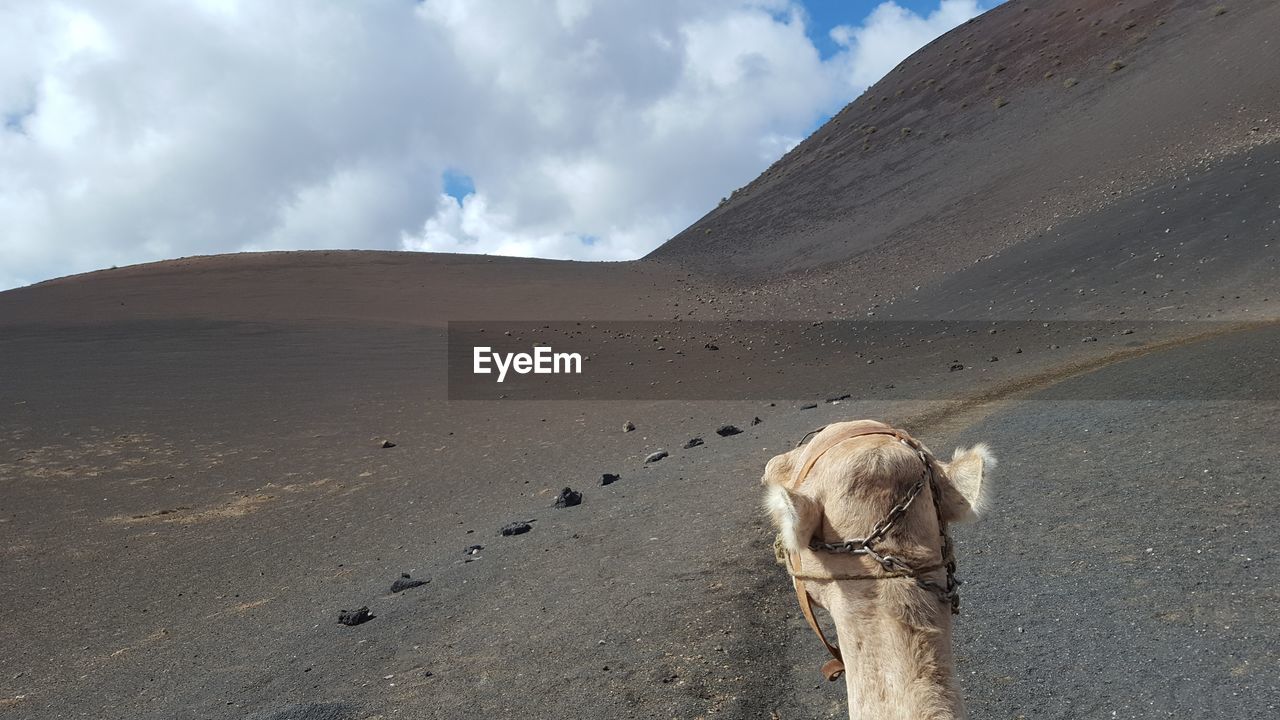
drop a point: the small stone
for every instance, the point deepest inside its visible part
(838, 398)
(355, 617)
(727, 430)
(712, 346)
(994, 359)
(473, 550)
(1089, 338)
(387, 444)
(808, 406)
(404, 583)
(756, 420)
(515, 528)
(1127, 332)
(693, 443)
(608, 479)
(628, 426)
(568, 498)
(654, 457)
(957, 366)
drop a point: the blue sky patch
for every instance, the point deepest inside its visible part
(827, 14)
(458, 184)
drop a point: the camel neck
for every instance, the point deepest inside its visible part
(897, 669)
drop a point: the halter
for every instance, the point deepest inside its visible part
(893, 567)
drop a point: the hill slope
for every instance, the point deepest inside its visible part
(996, 133)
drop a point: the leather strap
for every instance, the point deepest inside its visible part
(833, 668)
(821, 445)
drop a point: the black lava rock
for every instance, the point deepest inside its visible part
(567, 498)
(355, 617)
(515, 528)
(727, 430)
(404, 582)
(693, 443)
(608, 479)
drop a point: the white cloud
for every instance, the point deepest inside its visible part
(138, 130)
(891, 33)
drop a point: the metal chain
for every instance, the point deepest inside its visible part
(867, 546)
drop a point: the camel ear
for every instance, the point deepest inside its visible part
(779, 469)
(796, 516)
(964, 495)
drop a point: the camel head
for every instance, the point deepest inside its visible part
(857, 482)
(894, 615)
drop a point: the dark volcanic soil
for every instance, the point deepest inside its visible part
(195, 479)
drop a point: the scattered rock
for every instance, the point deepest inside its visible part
(654, 457)
(838, 398)
(756, 420)
(1127, 332)
(567, 498)
(387, 444)
(693, 443)
(1089, 338)
(957, 366)
(712, 346)
(994, 359)
(608, 479)
(808, 406)
(355, 617)
(628, 426)
(404, 582)
(515, 528)
(728, 430)
(473, 550)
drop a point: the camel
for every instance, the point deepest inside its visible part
(861, 513)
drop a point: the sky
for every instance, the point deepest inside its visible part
(141, 130)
